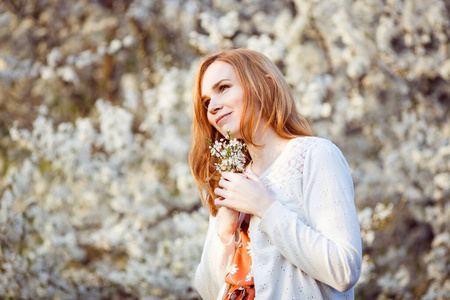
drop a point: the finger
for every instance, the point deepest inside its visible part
(224, 183)
(220, 202)
(230, 176)
(251, 176)
(225, 203)
(220, 192)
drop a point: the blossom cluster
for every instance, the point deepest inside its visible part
(230, 154)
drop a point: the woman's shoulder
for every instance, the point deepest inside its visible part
(312, 144)
(315, 148)
(317, 152)
(299, 152)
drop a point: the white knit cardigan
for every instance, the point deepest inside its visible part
(308, 243)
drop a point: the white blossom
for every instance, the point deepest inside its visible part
(229, 154)
(101, 199)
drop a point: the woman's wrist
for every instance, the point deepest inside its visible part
(226, 233)
(226, 237)
(228, 221)
(264, 206)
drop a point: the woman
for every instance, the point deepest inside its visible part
(300, 237)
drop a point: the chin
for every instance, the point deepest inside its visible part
(234, 133)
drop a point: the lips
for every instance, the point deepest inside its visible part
(222, 117)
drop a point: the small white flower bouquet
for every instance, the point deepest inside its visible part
(229, 153)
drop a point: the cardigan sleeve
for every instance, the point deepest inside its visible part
(329, 249)
(214, 263)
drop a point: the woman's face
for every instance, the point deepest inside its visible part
(223, 97)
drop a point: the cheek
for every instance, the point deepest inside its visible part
(239, 102)
(210, 118)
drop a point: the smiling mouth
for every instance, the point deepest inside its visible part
(222, 117)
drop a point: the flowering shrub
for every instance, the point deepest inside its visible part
(96, 197)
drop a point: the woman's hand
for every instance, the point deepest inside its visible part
(243, 192)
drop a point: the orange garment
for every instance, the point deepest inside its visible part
(240, 276)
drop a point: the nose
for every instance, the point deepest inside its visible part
(214, 106)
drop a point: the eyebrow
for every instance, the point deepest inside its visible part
(215, 86)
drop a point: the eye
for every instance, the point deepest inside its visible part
(222, 88)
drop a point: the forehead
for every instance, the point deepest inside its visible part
(216, 72)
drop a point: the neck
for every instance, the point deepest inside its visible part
(272, 146)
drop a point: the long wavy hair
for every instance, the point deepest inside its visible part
(265, 89)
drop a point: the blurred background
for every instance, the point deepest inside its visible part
(97, 200)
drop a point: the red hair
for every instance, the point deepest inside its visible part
(264, 88)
